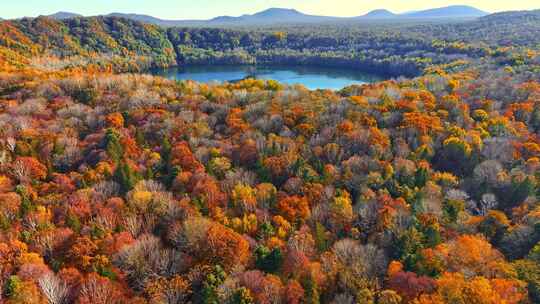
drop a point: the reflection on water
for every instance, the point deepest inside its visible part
(310, 77)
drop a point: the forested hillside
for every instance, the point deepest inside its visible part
(127, 188)
(109, 42)
(125, 45)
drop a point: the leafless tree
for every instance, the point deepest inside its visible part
(488, 172)
(373, 259)
(97, 292)
(343, 298)
(488, 202)
(365, 260)
(106, 189)
(54, 289)
(21, 172)
(133, 225)
(31, 106)
(11, 143)
(347, 251)
(499, 149)
(146, 259)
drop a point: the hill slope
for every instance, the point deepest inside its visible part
(119, 41)
(514, 16)
(269, 16)
(64, 15)
(275, 16)
(379, 14)
(156, 21)
(454, 11)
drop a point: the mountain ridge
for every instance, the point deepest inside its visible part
(276, 15)
(64, 15)
(149, 19)
(526, 14)
(448, 11)
(379, 13)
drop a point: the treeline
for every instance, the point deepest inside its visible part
(126, 45)
(296, 49)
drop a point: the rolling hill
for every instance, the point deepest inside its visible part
(279, 15)
(455, 11)
(512, 17)
(379, 14)
(152, 20)
(64, 15)
(274, 16)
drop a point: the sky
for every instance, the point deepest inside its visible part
(205, 9)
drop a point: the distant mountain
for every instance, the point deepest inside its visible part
(278, 13)
(454, 11)
(64, 15)
(223, 19)
(269, 16)
(273, 16)
(281, 15)
(154, 20)
(513, 17)
(379, 14)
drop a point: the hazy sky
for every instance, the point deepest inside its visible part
(203, 9)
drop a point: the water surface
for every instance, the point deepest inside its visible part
(311, 77)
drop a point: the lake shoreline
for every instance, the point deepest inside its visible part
(312, 77)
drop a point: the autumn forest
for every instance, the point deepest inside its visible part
(121, 187)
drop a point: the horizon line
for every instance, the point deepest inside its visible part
(269, 8)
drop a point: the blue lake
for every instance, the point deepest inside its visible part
(310, 77)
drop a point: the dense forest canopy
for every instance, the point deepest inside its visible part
(127, 188)
(393, 49)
